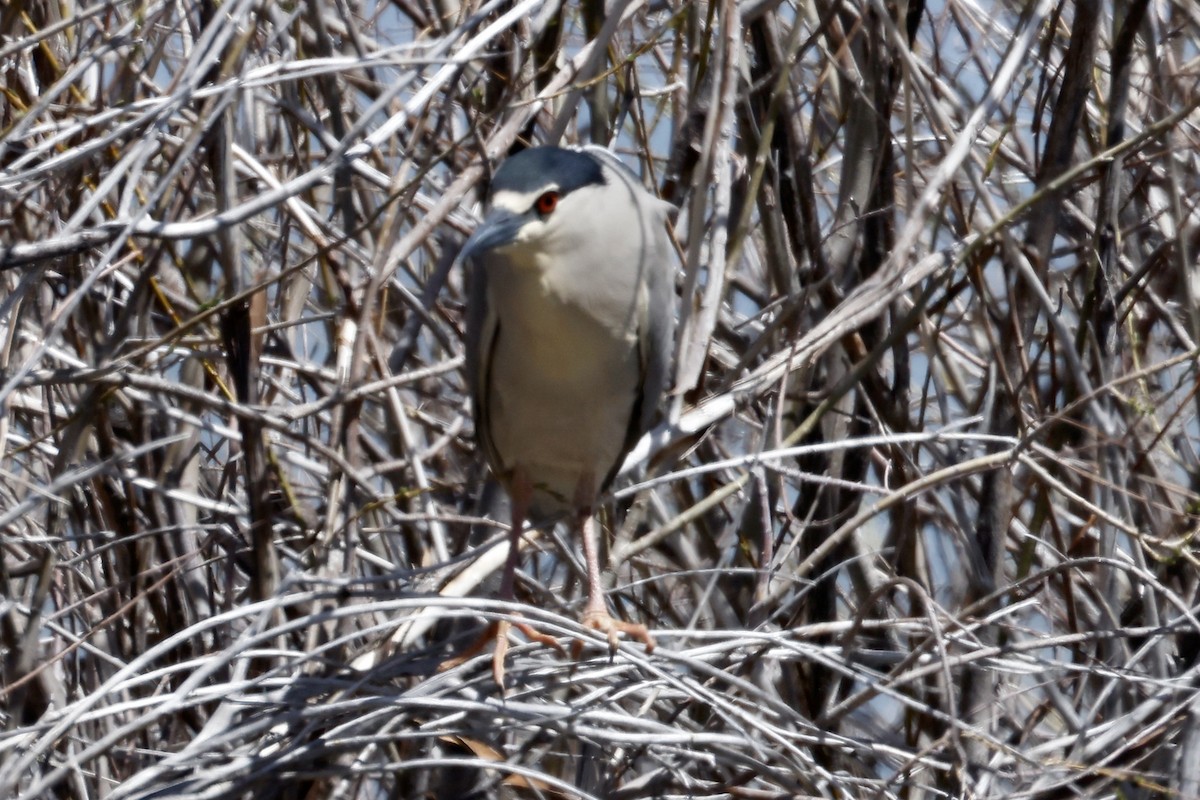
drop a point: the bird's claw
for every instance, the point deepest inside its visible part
(498, 632)
(605, 623)
(502, 628)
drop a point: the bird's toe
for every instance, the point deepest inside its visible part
(605, 623)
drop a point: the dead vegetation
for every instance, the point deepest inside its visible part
(922, 522)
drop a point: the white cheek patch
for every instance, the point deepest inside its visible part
(519, 202)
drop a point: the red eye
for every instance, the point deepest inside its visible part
(546, 203)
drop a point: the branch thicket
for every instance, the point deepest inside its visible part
(920, 519)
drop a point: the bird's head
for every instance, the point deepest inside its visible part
(547, 200)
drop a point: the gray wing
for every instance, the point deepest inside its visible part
(656, 322)
(656, 329)
(482, 328)
(656, 317)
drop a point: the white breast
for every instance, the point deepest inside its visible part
(560, 405)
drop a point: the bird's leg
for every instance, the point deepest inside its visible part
(521, 492)
(595, 614)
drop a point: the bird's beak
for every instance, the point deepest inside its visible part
(497, 229)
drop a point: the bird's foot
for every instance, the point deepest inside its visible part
(605, 623)
(498, 632)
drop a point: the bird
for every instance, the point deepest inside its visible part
(569, 341)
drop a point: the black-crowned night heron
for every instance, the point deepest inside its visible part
(569, 337)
